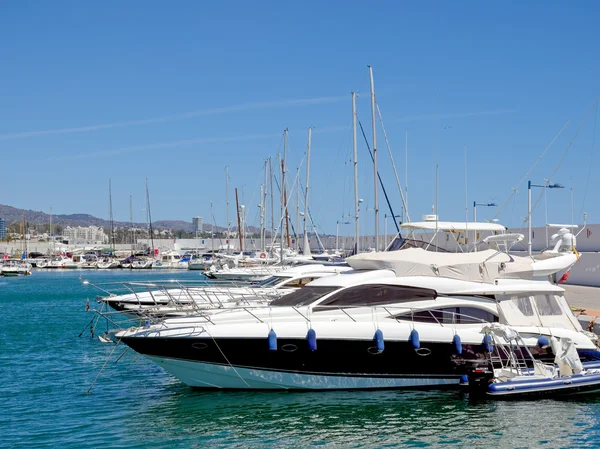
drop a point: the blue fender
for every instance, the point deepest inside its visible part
(272, 338)
(311, 336)
(414, 339)
(457, 344)
(379, 340)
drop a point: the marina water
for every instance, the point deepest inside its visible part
(46, 369)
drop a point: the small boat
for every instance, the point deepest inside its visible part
(42, 262)
(142, 264)
(107, 263)
(173, 260)
(91, 262)
(513, 372)
(15, 267)
(58, 261)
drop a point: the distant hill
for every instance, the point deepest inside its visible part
(15, 215)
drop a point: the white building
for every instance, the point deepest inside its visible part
(88, 234)
(197, 224)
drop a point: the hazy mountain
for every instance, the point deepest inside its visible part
(15, 215)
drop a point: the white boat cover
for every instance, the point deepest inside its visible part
(482, 266)
(453, 226)
(566, 356)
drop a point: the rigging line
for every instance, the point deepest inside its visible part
(214, 222)
(573, 139)
(515, 189)
(393, 164)
(566, 150)
(296, 180)
(310, 218)
(587, 182)
(379, 177)
(103, 366)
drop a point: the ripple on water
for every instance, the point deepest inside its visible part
(45, 370)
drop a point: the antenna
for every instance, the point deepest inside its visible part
(466, 197)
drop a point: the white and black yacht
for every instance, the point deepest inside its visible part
(402, 319)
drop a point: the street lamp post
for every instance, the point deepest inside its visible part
(475, 204)
(529, 186)
(337, 226)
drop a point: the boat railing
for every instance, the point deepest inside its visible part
(400, 314)
(510, 357)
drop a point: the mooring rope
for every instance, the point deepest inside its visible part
(103, 366)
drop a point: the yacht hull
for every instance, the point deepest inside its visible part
(336, 364)
(211, 375)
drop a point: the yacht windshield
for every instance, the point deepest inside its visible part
(271, 281)
(304, 296)
(377, 294)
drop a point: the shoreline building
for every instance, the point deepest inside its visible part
(197, 225)
(87, 234)
(2, 228)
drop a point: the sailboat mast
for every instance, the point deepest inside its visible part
(131, 221)
(297, 210)
(283, 214)
(23, 233)
(356, 200)
(112, 224)
(305, 243)
(237, 207)
(406, 176)
(262, 218)
(212, 230)
(263, 233)
(227, 200)
(53, 239)
(284, 168)
(149, 217)
(272, 200)
(375, 167)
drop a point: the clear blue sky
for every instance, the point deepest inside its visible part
(175, 91)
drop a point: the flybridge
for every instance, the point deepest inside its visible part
(485, 266)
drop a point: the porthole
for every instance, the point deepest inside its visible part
(289, 347)
(199, 345)
(423, 351)
(373, 350)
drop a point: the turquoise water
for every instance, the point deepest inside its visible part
(46, 369)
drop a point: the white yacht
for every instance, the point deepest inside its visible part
(90, 262)
(108, 263)
(156, 300)
(142, 263)
(402, 319)
(246, 274)
(58, 261)
(172, 260)
(82, 261)
(15, 267)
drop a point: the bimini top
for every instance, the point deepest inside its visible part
(483, 266)
(453, 226)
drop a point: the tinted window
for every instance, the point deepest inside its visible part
(377, 294)
(523, 304)
(450, 315)
(303, 297)
(547, 305)
(299, 282)
(270, 281)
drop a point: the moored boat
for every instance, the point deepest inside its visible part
(408, 318)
